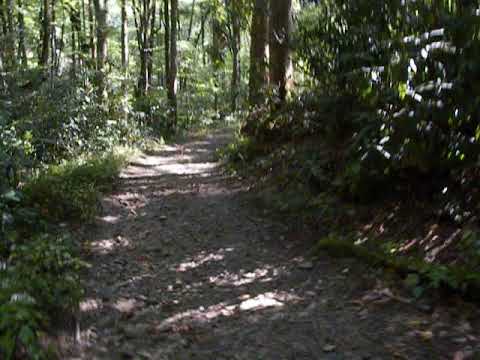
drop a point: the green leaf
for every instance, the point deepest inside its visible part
(26, 335)
(12, 195)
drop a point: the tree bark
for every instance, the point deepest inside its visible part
(91, 21)
(235, 47)
(281, 68)
(124, 36)
(172, 86)
(101, 18)
(22, 52)
(258, 76)
(166, 14)
(190, 25)
(46, 20)
(10, 53)
(151, 41)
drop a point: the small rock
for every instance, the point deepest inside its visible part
(135, 330)
(329, 348)
(162, 218)
(308, 265)
(460, 340)
(144, 354)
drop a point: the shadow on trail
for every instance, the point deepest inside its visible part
(183, 267)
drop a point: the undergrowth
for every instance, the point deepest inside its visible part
(309, 181)
(39, 261)
(70, 191)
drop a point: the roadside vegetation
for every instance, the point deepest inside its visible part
(359, 121)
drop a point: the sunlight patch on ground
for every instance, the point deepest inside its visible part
(110, 219)
(126, 305)
(185, 169)
(202, 258)
(225, 309)
(106, 246)
(90, 304)
(239, 279)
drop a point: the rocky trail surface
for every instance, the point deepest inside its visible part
(185, 267)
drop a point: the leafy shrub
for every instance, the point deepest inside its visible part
(71, 191)
(406, 67)
(39, 277)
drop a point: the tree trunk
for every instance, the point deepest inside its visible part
(172, 86)
(91, 21)
(166, 14)
(190, 25)
(151, 41)
(258, 77)
(76, 30)
(10, 53)
(53, 39)
(101, 18)
(124, 36)
(46, 20)
(22, 52)
(281, 68)
(236, 43)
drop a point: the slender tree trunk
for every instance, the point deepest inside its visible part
(281, 68)
(74, 52)
(46, 20)
(172, 86)
(166, 14)
(101, 18)
(22, 52)
(91, 21)
(258, 77)
(235, 46)
(143, 79)
(160, 40)
(10, 56)
(3, 28)
(190, 25)
(76, 30)
(124, 36)
(145, 16)
(202, 34)
(53, 39)
(151, 41)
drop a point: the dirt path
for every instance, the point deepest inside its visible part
(184, 267)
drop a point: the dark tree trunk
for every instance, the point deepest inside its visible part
(22, 52)
(281, 70)
(166, 14)
(46, 20)
(91, 21)
(124, 36)
(235, 46)
(151, 41)
(172, 86)
(101, 19)
(258, 77)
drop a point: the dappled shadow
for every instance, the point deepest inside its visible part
(184, 267)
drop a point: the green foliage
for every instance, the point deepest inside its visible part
(405, 66)
(71, 191)
(38, 278)
(419, 276)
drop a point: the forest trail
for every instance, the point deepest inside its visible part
(185, 267)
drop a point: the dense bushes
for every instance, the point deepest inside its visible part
(39, 263)
(408, 69)
(56, 142)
